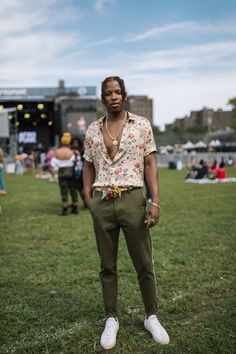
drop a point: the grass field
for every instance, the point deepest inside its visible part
(50, 292)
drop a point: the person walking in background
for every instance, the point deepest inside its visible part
(49, 156)
(77, 145)
(119, 149)
(64, 160)
(28, 163)
(2, 183)
(19, 168)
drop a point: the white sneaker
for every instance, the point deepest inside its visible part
(158, 332)
(108, 338)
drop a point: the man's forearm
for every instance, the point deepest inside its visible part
(152, 182)
(151, 174)
(88, 179)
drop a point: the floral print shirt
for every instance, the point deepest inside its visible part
(127, 167)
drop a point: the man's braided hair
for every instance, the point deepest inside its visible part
(114, 78)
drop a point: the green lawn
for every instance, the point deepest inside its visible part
(50, 292)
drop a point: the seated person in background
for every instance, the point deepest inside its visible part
(213, 166)
(198, 172)
(220, 172)
(212, 169)
(202, 171)
(191, 172)
(193, 168)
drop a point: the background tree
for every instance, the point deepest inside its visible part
(232, 102)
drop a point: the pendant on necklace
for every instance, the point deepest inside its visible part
(115, 142)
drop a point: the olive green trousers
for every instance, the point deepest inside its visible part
(128, 213)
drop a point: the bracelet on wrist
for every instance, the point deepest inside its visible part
(156, 205)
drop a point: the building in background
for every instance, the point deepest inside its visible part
(208, 118)
(73, 110)
(140, 105)
(43, 114)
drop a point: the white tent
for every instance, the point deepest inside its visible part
(169, 147)
(215, 143)
(200, 145)
(188, 146)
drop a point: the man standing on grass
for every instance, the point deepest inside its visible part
(119, 149)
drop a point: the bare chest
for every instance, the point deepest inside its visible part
(111, 142)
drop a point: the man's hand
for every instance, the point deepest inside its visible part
(153, 215)
(88, 199)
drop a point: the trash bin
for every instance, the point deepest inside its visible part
(179, 165)
(172, 165)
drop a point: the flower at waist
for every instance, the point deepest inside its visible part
(111, 192)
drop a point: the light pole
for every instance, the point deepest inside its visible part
(209, 122)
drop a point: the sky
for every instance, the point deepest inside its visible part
(181, 53)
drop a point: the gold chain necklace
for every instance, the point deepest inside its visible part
(114, 140)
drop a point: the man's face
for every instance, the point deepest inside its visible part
(113, 99)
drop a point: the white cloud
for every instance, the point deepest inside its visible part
(176, 95)
(102, 5)
(210, 91)
(26, 16)
(187, 27)
(101, 42)
(187, 57)
(172, 78)
(37, 45)
(19, 21)
(37, 49)
(205, 57)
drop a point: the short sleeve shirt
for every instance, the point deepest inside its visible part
(127, 167)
